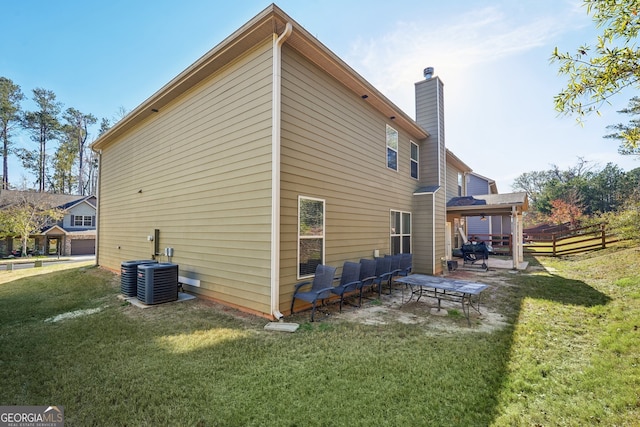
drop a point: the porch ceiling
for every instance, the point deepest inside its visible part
(488, 204)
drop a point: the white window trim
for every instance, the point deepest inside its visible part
(401, 235)
(416, 161)
(324, 225)
(83, 221)
(387, 147)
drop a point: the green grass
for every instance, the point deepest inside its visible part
(568, 356)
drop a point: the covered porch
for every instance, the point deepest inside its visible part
(510, 205)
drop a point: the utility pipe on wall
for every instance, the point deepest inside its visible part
(278, 41)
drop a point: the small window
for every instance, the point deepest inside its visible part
(82, 221)
(310, 235)
(392, 148)
(414, 160)
(460, 182)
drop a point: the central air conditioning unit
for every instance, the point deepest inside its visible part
(129, 276)
(157, 283)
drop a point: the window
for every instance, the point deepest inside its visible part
(414, 160)
(82, 220)
(460, 182)
(310, 235)
(392, 148)
(400, 232)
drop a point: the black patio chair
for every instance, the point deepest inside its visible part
(406, 263)
(395, 268)
(367, 274)
(321, 286)
(349, 280)
(383, 273)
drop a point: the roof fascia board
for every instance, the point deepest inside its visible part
(271, 20)
(54, 227)
(213, 60)
(456, 162)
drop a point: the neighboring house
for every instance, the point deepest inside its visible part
(268, 156)
(484, 225)
(75, 234)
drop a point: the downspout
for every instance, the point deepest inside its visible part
(515, 247)
(99, 152)
(433, 233)
(278, 41)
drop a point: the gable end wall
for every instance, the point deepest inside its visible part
(200, 172)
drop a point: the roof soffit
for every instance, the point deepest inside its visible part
(262, 27)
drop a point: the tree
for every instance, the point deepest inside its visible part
(628, 132)
(563, 212)
(596, 73)
(594, 191)
(10, 97)
(63, 180)
(77, 130)
(25, 213)
(44, 126)
(532, 183)
(604, 191)
(105, 125)
(543, 187)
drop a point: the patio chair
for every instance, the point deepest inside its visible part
(320, 287)
(349, 280)
(367, 274)
(383, 273)
(395, 263)
(395, 268)
(406, 263)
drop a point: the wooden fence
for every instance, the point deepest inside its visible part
(567, 242)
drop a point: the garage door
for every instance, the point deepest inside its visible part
(83, 247)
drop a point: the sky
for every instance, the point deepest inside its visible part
(492, 55)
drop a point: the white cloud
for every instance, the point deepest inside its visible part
(394, 61)
(496, 101)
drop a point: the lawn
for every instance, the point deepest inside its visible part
(566, 355)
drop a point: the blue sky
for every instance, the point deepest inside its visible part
(493, 57)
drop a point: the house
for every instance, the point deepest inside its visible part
(74, 234)
(474, 208)
(268, 156)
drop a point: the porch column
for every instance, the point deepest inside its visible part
(66, 248)
(520, 242)
(516, 238)
(515, 242)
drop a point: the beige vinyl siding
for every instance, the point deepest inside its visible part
(334, 148)
(200, 172)
(429, 108)
(423, 240)
(432, 151)
(440, 196)
(452, 182)
(440, 230)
